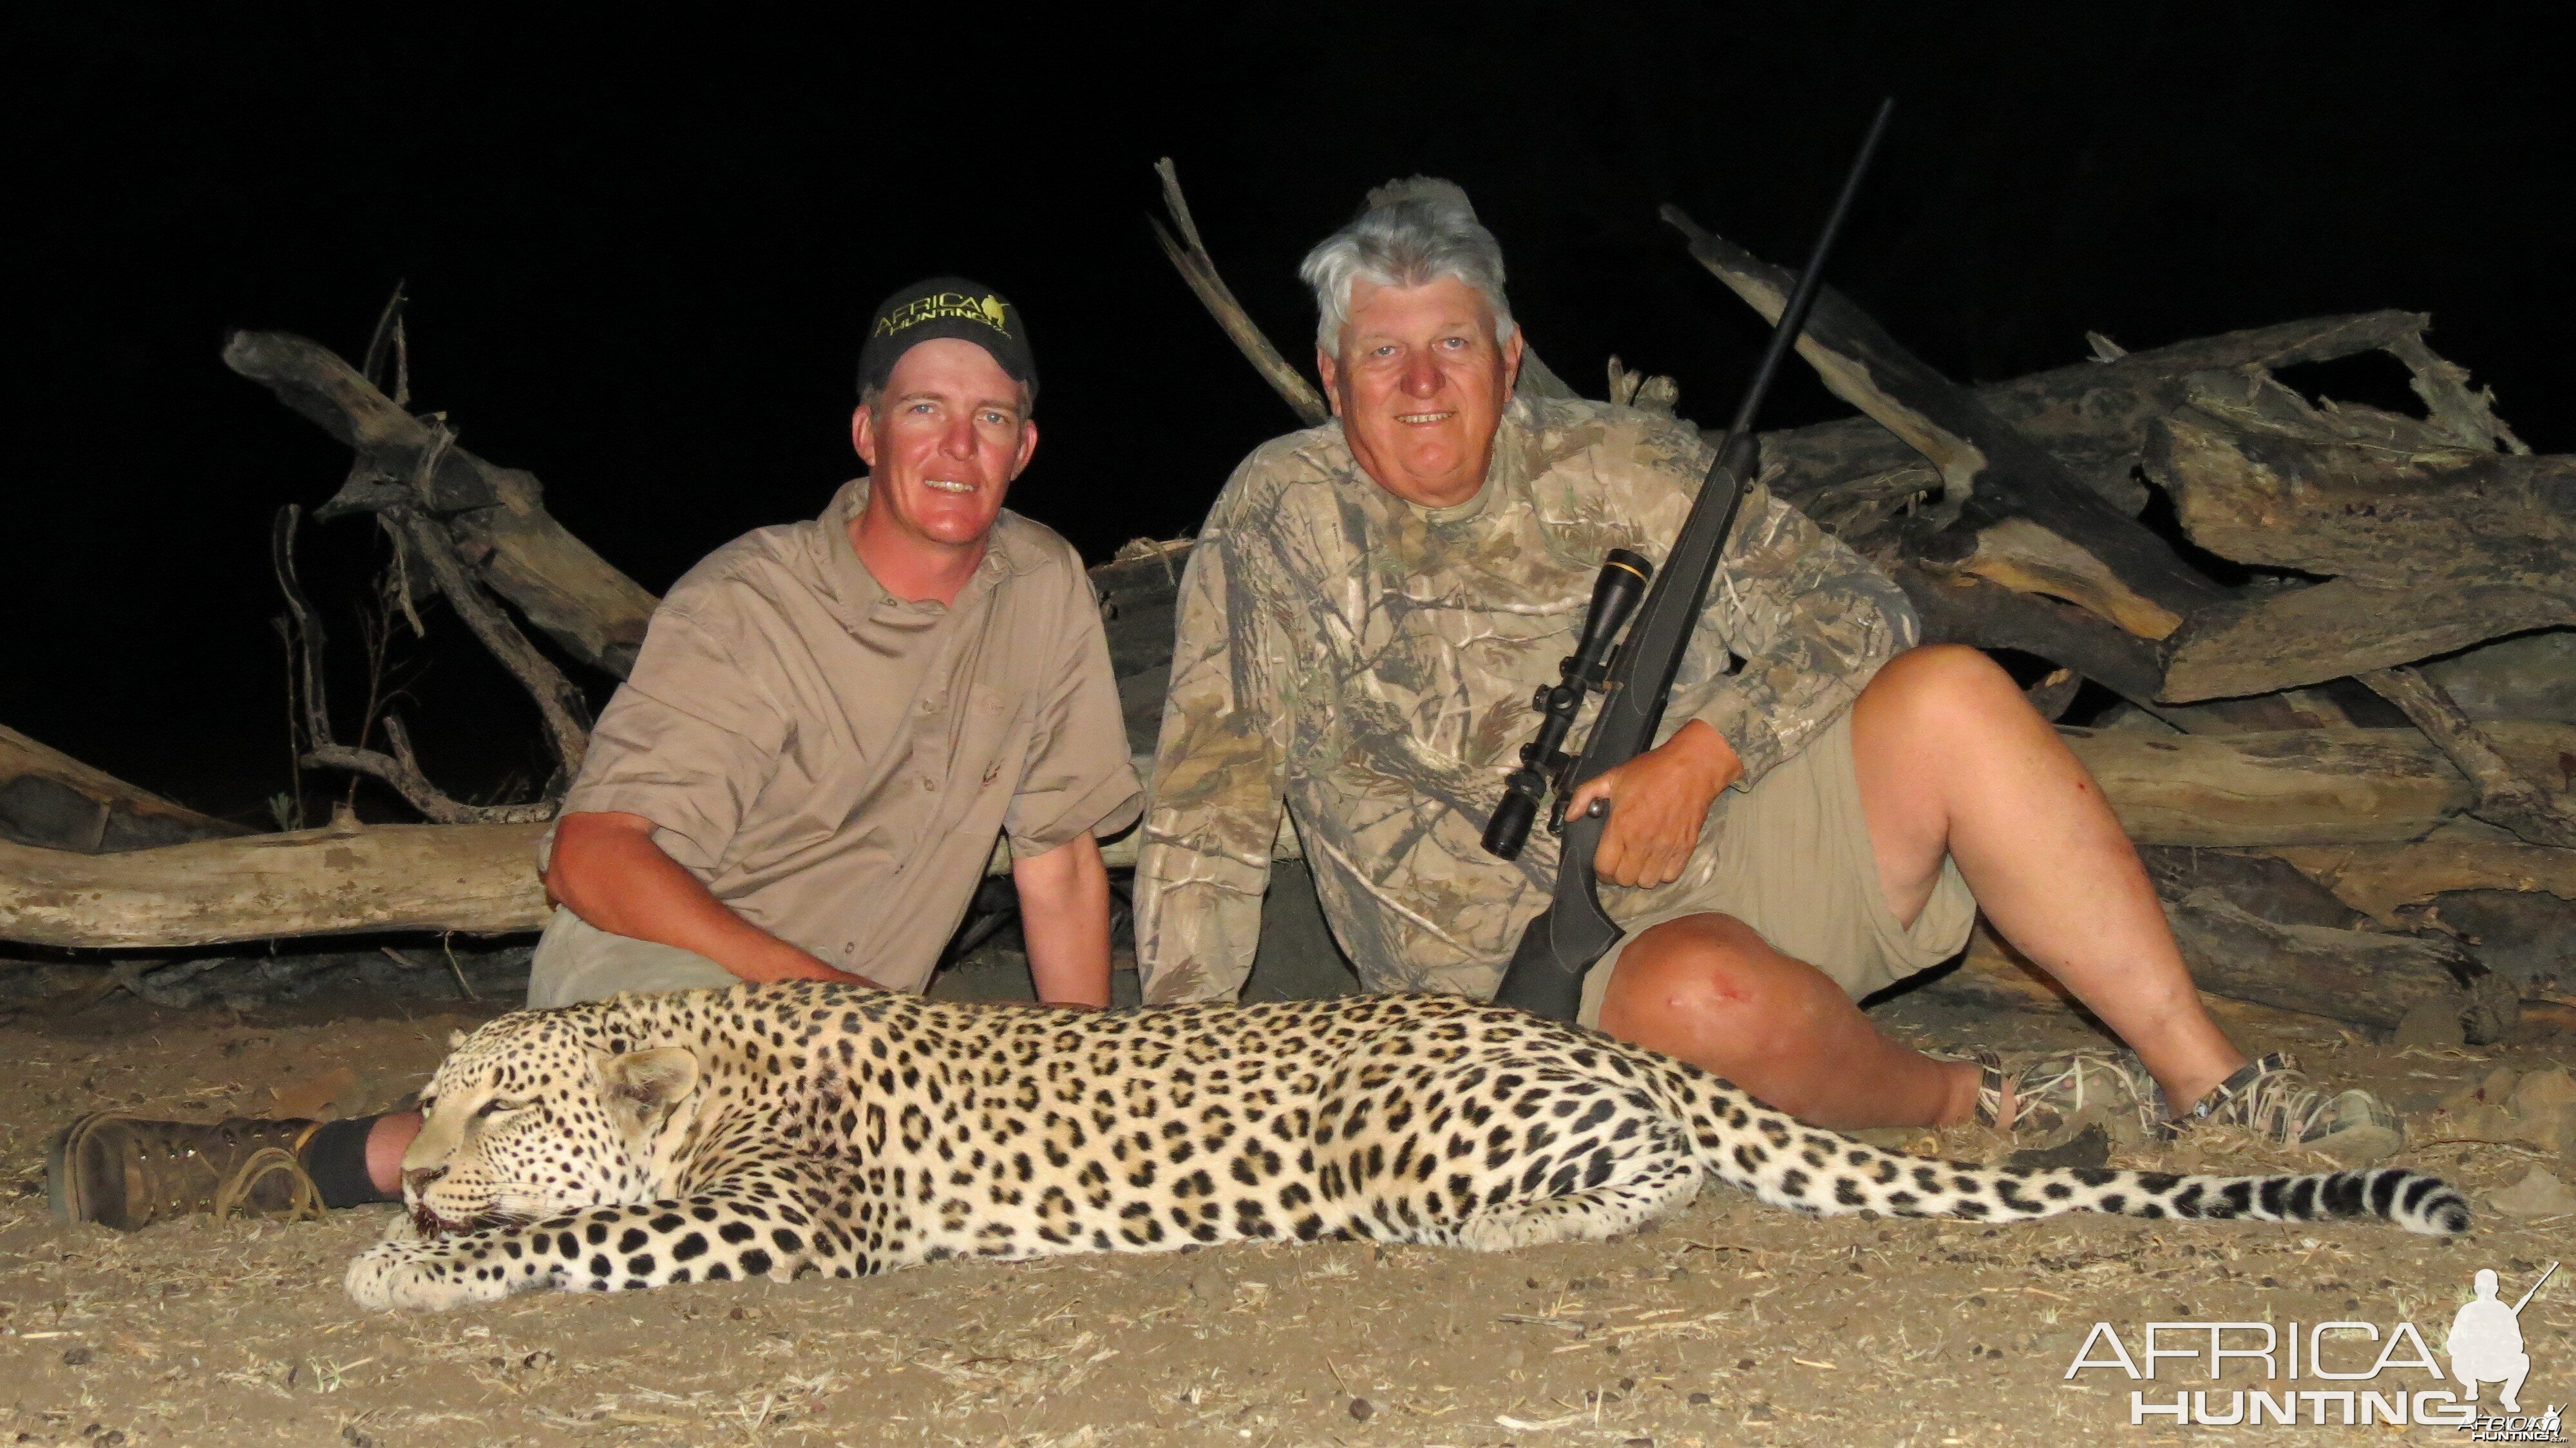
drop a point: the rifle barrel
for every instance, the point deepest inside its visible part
(1802, 298)
(2535, 1290)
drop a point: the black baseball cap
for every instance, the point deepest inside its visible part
(947, 307)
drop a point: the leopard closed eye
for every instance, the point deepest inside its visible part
(799, 1128)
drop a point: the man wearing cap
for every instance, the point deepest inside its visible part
(803, 777)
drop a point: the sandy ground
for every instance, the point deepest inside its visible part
(1731, 1323)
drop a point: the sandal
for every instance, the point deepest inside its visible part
(2054, 1098)
(2275, 1100)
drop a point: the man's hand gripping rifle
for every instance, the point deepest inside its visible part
(1546, 973)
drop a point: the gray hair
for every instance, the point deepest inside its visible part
(1409, 234)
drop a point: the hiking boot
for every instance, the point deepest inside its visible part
(2054, 1098)
(123, 1172)
(2272, 1098)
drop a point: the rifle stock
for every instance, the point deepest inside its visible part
(1557, 948)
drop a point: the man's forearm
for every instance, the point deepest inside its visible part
(606, 869)
(1064, 921)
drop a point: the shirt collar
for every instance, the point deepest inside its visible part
(1005, 554)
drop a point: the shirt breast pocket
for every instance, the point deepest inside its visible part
(992, 744)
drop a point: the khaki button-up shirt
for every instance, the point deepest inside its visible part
(835, 762)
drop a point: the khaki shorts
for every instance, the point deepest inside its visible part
(577, 961)
(1794, 863)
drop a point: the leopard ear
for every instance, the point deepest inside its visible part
(455, 1039)
(651, 1082)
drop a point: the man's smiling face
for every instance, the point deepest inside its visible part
(944, 442)
(1420, 386)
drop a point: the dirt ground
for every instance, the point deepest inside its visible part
(1732, 1323)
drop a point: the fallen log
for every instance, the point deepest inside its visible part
(49, 799)
(2287, 788)
(2370, 980)
(2092, 416)
(2291, 786)
(2426, 553)
(2266, 887)
(476, 878)
(2380, 880)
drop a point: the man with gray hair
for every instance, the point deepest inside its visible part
(1371, 605)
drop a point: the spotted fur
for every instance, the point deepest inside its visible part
(793, 1129)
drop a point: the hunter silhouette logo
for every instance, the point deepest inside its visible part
(2485, 1345)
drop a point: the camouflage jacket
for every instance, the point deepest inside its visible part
(1369, 663)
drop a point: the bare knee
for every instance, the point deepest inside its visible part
(1939, 685)
(1710, 990)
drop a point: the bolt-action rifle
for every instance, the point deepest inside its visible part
(1635, 678)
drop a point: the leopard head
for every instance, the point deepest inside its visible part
(527, 1119)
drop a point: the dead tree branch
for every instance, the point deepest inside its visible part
(1189, 256)
(401, 769)
(495, 515)
(2506, 796)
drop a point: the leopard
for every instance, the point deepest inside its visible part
(796, 1129)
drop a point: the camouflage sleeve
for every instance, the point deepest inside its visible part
(1213, 805)
(1812, 621)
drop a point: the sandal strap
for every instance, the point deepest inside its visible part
(1990, 1087)
(2236, 1084)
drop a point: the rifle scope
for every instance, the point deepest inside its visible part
(1543, 760)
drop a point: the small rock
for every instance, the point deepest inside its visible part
(1744, 1365)
(112, 1438)
(1362, 1410)
(2539, 1194)
(2542, 1092)
(2493, 1089)
(1760, 1413)
(2432, 1021)
(1698, 1400)
(77, 1357)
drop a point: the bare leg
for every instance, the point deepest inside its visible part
(1953, 761)
(1708, 989)
(387, 1140)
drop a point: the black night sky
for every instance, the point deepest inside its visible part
(640, 251)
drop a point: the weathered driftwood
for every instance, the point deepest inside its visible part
(49, 799)
(2347, 975)
(2533, 803)
(476, 878)
(1189, 256)
(2529, 676)
(2092, 416)
(2426, 552)
(496, 515)
(2266, 887)
(2292, 786)
(2019, 516)
(2380, 880)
